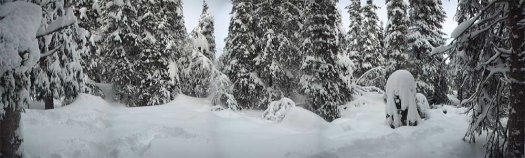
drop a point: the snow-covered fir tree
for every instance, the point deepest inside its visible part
(195, 76)
(59, 74)
(320, 81)
(270, 38)
(396, 32)
(238, 61)
(19, 23)
(207, 29)
(141, 36)
(354, 36)
(489, 45)
(222, 90)
(371, 49)
(424, 34)
(197, 66)
(289, 54)
(87, 13)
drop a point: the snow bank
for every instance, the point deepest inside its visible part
(401, 107)
(91, 127)
(302, 119)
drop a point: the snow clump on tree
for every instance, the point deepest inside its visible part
(401, 107)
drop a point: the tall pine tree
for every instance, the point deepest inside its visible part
(426, 18)
(207, 29)
(489, 45)
(320, 81)
(354, 36)
(196, 69)
(141, 37)
(59, 74)
(238, 61)
(20, 22)
(371, 49)
(396, 31)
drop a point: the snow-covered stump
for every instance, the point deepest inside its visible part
(277, 110)
(401, 106)
(422, 106)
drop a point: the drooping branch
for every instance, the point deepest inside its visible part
(51, 52)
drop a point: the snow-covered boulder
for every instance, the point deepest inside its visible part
(422, 106)
(401, 106)
(277, 110)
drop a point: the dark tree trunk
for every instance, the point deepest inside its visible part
(9, 139)
(516, 122)
(48, 101)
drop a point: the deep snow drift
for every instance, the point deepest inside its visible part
(186, 127)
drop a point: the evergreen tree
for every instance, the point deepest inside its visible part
(197, 66)
(320, 81)
(354, 36)
(239, 55)
(195, 77)
(141, 37)
(371, 48)
(396, 31)
(20, 22)
(289, 53)
(89, 18)
(206, 28)
(58, 74)
(489, 45)
(426, 17)
(87, 13)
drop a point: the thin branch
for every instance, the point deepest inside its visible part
(51, 52)
(47, 32)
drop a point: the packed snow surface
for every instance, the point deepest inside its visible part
(187, 128)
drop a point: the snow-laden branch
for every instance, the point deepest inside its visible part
(461, 29)
(58, 24)
(51, 52)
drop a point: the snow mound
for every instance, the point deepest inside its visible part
(300, 118)
(91, 127)
(401, 107)
(277, 110)
(423, 106)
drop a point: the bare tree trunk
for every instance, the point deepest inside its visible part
(516, 122)
(9, 139)
(48, 101)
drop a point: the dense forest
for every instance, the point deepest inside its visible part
(278, 53)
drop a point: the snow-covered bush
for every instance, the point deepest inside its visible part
(401, 107)
(277, 110)
(222, 90)
(422, 106)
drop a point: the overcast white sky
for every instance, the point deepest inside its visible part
(221, 10)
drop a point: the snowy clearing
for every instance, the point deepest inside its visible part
(186, 127)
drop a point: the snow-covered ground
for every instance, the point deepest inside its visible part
(187, 128)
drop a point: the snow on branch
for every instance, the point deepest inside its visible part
(58, 24)
(462, 27)
(51, 52)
